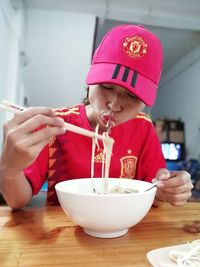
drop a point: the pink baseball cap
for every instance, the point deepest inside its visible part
(129, 56)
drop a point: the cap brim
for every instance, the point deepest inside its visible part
(144, 88)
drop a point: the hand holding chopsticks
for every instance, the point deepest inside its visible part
(7, 106)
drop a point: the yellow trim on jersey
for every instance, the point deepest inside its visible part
(143, 116)
(67, 111)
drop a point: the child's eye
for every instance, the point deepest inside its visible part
(106, 87)
(131, 95)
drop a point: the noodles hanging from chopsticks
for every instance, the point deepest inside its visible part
(107, 153)
(94, 144)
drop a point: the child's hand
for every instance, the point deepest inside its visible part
(24, 137)
(174, 187)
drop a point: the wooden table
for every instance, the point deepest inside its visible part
(44, 236)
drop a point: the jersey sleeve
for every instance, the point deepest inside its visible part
(36, 173)
(151, 158)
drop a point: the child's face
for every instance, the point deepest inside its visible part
(111, 105)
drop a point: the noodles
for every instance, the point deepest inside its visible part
(94, 144)
(189, 258)
(107, 153)
(122, 190)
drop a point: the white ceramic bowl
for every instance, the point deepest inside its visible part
(104, 215)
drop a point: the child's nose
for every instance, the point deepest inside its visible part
(115, 103)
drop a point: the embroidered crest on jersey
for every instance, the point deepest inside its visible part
(128, 165)
(99, 157)
(135, 46)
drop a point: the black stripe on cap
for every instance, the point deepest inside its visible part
(116, 71)
(125, 74)
(134, 79)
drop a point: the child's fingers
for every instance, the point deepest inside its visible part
(40, 121)
(43, 135)
(25, 115)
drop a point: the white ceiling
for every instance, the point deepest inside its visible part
(176, 22)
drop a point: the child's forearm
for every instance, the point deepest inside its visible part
(16, 191)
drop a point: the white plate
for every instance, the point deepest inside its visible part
(159, 257)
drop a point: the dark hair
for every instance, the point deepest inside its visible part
(85, 100)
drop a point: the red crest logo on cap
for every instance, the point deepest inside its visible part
(135, 46)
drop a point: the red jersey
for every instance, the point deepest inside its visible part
(136, 154)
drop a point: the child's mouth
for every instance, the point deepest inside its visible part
(109, 121)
